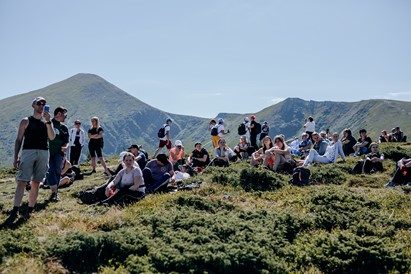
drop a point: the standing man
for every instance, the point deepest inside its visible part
(58, 148)
(33, 134)
(164, 135)
(253, 132)
(77, 140)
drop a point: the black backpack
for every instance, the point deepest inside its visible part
(257, 128)
(214, 131)
(301, 176)
(242, 130)
(161, 132)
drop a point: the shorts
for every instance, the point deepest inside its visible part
(95, 150)
(33, 165)
(164, 143)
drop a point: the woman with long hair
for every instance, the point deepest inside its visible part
(95, 145)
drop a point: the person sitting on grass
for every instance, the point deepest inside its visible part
(223, 154)
(198, 158)
(348, 142)
(177, 155)
(242, 149)
(402, 173)
(331, 153)
(362, 145)
(281, 153)
(373, 161)
(157, 174)
(128, 183)
(258, 156)
(305, 145)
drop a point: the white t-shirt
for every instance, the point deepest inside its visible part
(310, 126)
(124, 179)
(220, 127)
(166, 129)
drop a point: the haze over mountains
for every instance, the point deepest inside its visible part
(127, 120)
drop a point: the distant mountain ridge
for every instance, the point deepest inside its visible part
(127, 120)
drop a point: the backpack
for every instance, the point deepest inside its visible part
(301, 176)
(257, 128)
(214, 130)
(242, 130)
(161, 132)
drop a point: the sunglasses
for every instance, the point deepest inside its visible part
(40, 103)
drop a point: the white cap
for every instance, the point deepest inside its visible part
(178, 143)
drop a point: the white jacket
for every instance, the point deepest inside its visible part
(73, 136)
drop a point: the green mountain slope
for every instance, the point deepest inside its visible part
(127, 120)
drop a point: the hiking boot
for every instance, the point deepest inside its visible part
(390, 184)
(12, 217)
(54, 197)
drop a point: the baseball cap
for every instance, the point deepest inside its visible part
(252, 116)
(178, 143)
(134, 146)
(60, 109)
(220, 120)
(162, 158)
(169, 120)
(39, 99)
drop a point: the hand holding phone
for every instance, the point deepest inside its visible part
(47, 108)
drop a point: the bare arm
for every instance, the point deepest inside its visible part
(17, 145)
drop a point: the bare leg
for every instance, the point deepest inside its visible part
(18, 195)
(93, 163)
(34, 192)
(103, 163)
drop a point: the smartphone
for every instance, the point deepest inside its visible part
(47, 108)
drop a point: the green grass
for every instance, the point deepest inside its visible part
(241, 220)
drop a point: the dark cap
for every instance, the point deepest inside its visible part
(134, 146)
(162, 158)
(77, 122)
(60, 109)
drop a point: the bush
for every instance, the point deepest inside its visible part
(261, 179)
(327, 174)
(345, 252)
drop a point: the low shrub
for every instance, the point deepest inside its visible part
(327, 174)
(261, 179)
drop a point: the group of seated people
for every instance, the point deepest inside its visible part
(135, 176)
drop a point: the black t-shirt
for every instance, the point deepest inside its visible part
(252, 130)
(200, 154)
(367, 139)
(96, 142)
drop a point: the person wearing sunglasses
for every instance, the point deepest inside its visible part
(57, 150)
(33, 135)
(77, 141)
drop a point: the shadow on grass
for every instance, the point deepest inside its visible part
(23, 217)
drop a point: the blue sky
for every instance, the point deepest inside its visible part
(205, 57)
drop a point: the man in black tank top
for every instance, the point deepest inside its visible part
(32, 136)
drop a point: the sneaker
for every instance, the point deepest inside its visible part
(93, 171)
(389, 184)
(12, 217)
(408, 184)
(373, 170)
(54, 197)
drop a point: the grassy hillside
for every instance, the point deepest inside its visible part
(127, 120)
(241, 220)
